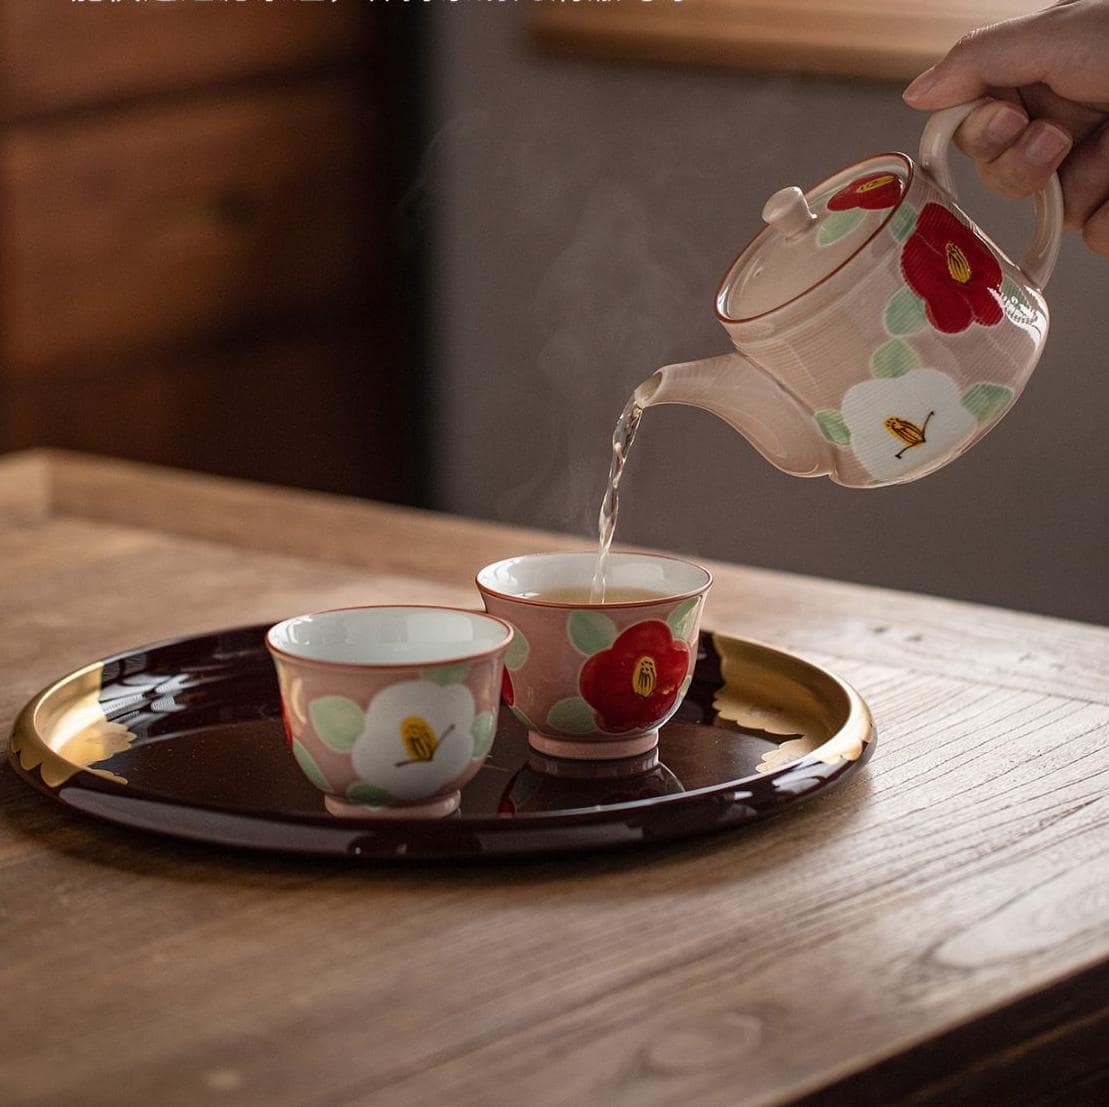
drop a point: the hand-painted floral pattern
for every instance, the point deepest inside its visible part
(514, 660)
(840, 747)
(418, 735)
(635, 682)
(872, 192)
(953, 271)
(901, 424)
(789, 751)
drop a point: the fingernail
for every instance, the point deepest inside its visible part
(1046, 144)
(1005, 124)
(921, 86)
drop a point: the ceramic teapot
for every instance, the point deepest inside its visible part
(879, 333)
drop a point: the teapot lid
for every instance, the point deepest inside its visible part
(810, 235)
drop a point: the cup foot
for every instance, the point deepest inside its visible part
(432, 809)
(577, 750)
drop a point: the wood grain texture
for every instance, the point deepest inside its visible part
(66, 54)
(332, 389)
(1000, 647)
(957, 890)
(234, 206)
(24, 488)
(858, 38)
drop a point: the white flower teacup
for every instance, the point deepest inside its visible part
(389, 711)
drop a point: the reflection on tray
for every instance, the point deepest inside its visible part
(206, 757)
(553, 784)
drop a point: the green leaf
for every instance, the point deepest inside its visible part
(590, 631)
(685, 687)
(522, 717)
(338, 721)
(525, 784)
(309, 767)
(482, 730)
(447, 674)
(369, 794)
(902, 222)
(518, 649)
(838, 224)
(893, 359)
(905, 313)
(572, 716)
(987, 402)
(1016, 304)
(832, 426)
(683, 618)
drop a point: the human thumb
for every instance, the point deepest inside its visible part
(1063, 47)
(1003, 55)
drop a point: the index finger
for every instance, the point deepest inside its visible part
(1052, 47)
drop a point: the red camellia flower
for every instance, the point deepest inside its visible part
(953, 271)
(873, 192)
(508, 693)
(634, 683)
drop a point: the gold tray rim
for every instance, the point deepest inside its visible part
(37, 747)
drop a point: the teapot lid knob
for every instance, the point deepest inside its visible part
(788, 212)
(810, 235)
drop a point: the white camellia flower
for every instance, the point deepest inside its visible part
(418, 735)
(901, 424)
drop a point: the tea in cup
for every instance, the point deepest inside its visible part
(596, 680)
(389, 711)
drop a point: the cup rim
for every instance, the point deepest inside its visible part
(391, 666)
(586, 605)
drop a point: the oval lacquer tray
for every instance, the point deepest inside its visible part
(185, 738)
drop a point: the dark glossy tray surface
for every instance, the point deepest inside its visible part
(185, 738)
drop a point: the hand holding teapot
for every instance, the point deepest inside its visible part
(878, 332)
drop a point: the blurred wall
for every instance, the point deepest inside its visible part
(585, 213)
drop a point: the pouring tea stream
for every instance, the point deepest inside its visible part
(878, 332)
(865, 304)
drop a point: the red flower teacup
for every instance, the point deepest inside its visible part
(596, 680)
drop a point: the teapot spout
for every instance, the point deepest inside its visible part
(751, 402)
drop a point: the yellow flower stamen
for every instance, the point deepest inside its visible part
(418, 737)
(644, 677)
(904, 430)
(878, 182)
(957, 264)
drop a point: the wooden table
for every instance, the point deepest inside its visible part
(934, 931)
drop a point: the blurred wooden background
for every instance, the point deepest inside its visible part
(856, 38)
(199, 261)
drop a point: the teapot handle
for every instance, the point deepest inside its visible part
(935, 144)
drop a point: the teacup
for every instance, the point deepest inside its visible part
(596, 680)
(389, 711)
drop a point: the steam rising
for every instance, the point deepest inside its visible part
(604, 311)
(580, 227)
